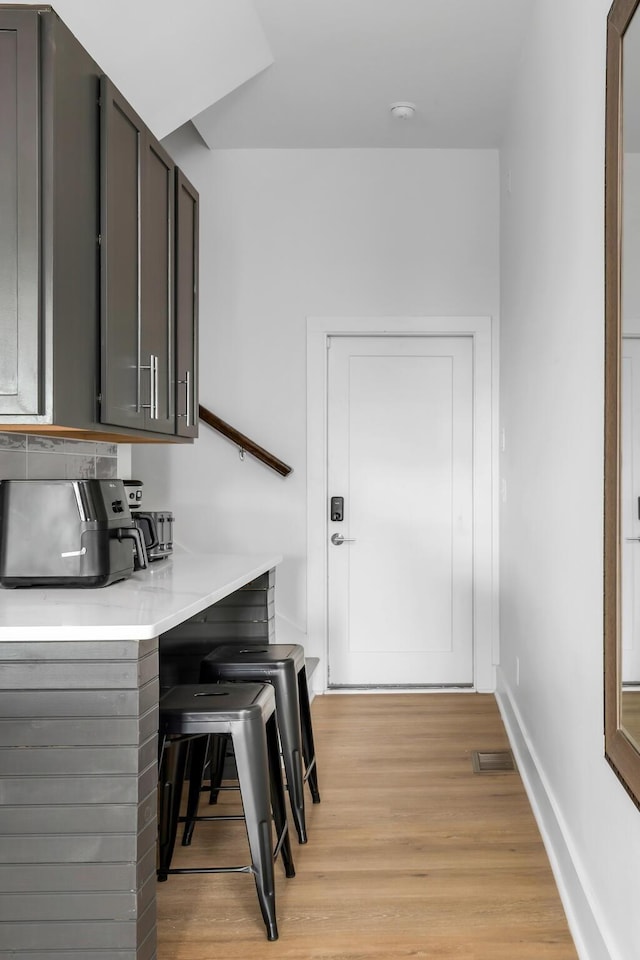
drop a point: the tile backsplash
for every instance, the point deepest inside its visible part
(27, 457)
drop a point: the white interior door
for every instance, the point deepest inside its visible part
(630, 510)
(400, 453)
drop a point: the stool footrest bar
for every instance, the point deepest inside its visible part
(281, 839)
(248, 869)
(229, 816)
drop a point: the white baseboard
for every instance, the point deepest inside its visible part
(585, 930)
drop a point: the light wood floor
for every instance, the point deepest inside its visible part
(410, 854)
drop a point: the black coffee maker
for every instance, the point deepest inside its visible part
(67, 533)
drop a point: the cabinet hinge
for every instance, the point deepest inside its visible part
(99, 239)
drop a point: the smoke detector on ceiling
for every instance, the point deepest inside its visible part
(402, 110)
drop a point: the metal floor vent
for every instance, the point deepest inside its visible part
(497, 761)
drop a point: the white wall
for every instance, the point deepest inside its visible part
(287, 234)
(552, 181)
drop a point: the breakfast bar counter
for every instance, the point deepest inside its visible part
(79, 692)
(150, 602)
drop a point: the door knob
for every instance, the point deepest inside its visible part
(337, 539)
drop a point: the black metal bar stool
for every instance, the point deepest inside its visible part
(282, 665)
(245, 712)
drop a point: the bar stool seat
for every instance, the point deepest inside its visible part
(189, 714)
(283, 666)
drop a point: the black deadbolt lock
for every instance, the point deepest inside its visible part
(337, 508)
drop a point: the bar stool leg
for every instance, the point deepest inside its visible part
(277, 798)
(171, 778)
(217, 757)
(250, 748)
(197, 760)
(308, 746)
(288, 716)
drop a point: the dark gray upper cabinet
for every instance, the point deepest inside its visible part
(49, 290)
(158, 328)
(137, 257)
(91, 280)
(186, 306)
(19, 257)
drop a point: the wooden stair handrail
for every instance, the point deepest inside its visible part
(245, 444)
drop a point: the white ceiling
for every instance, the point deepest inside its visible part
(340, 64)
(169, 61)
(311, 73)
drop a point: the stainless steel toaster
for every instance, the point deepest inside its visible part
(156, 527)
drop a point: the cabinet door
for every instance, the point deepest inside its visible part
(20, 358)
(186, 287)
(137, 240)
(121, 386)
(157, 329)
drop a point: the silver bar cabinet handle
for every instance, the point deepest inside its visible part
(156, 382)
(152, 367)
(187, 383)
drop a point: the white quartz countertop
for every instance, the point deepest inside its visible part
(144, 606)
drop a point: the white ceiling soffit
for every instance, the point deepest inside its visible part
(340, 64)
(170, 60)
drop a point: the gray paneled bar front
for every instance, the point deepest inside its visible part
(78, 774)
(78, 744)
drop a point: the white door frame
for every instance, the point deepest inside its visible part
(485, 487)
